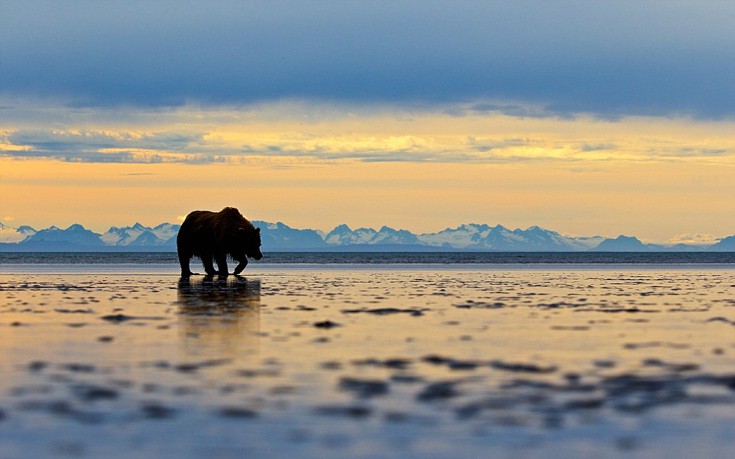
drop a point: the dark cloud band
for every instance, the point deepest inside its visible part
(609, 59)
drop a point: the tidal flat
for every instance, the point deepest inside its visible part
(368, 363)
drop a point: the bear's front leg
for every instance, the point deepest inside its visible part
(208, 266)
(241, 266)
(221, 264)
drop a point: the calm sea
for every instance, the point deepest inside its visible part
(723, 259)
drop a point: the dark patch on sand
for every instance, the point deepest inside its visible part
(120, 318)
(451, 363)
(438, 391)
(347, 411)
(235, 412)
(394, 363)
(472, 304)
(721, 319)
(522, 367)
(416, 312)
(91, 393)
(157, 410)
(192, 367)
(363, 388)
(79, 367)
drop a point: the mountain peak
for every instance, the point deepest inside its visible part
(622, 243)
(623, 237)
(475, 226)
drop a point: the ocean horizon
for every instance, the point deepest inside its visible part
(455, 257)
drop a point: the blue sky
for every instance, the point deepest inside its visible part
(608, 59)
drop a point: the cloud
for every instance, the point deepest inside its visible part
(93, 140)
(608, 59)
(599, 147)
(200, 148)
(289, 135)
(693, 239)
(108, 146)
(517, 110)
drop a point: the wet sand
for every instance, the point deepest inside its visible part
(368, 363)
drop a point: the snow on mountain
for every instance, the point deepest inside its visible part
(8, 234)
(498, 238)
(75, 234)
(279, 236)
(344, 235)
(138, 235)
(585, 242)
(537, 238)
(123, 236)
(467, 237)
(460, 237)
(26, 231)
(532, 239)
(146, 239)
(387, 235)
(166, 231)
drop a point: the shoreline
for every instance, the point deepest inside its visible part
(253, 269)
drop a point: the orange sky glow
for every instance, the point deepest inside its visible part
(421, 171)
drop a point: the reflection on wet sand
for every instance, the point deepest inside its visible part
(369, 363)
(219, 315)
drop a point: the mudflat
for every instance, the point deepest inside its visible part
(406, 363)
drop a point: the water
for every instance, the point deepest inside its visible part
(378, 361)
(371, 355)
(721, 259)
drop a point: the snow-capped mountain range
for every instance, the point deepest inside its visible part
(139, 235)
(281, 237)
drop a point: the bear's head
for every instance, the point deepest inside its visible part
(247, 243)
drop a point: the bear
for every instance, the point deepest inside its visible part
(212, 236)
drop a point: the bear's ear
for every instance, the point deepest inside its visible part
(257, 229)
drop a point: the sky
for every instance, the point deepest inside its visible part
(585, 117)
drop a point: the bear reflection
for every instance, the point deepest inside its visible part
(219, 316)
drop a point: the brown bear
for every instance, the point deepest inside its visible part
(214, 235)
